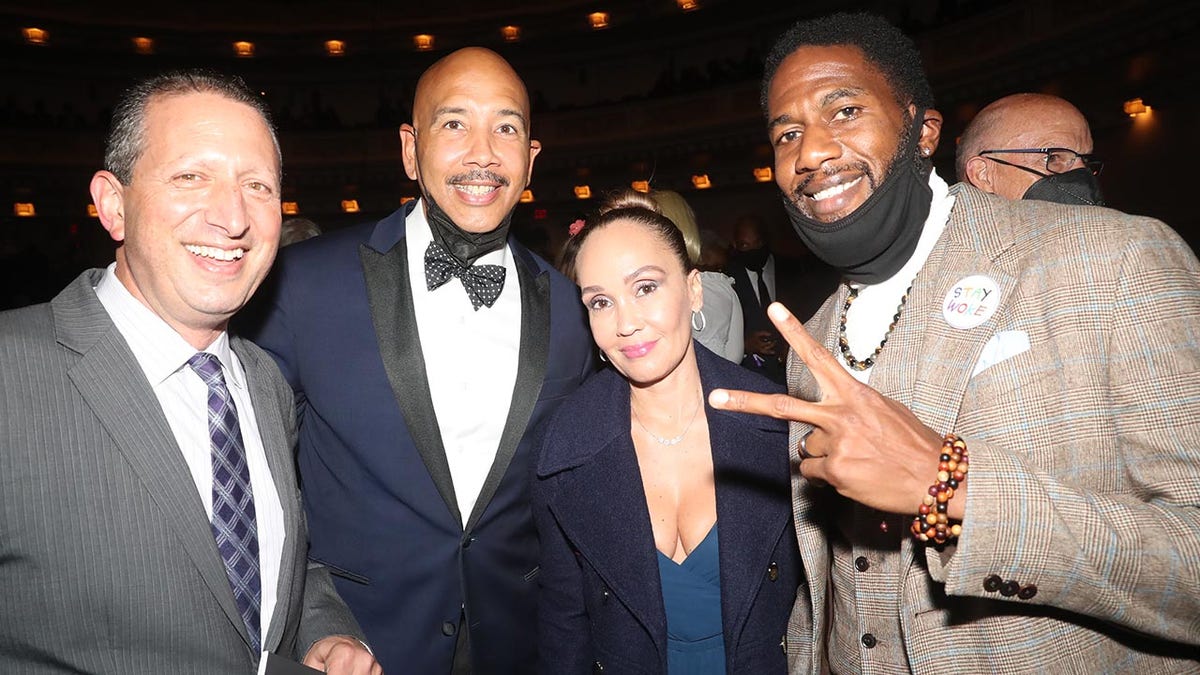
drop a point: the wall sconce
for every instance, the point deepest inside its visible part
(349, 206)
(243, 49)
(511, 33)
(24, 210)
(598, 20)
(423, 42)
(92, 212)
(583, 192)
(763, 174)
(335, 48)
(35, 36)
(526, 196)
(701, 182)
(143, 45)
(290, 208)
(1134, 107)
(642, 186)
(405, 200)
(687, 5)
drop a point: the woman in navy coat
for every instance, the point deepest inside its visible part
(666, 526)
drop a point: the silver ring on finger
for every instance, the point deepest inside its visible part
(804, 454)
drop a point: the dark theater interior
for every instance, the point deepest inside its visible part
(623, 92)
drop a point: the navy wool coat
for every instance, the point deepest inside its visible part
(600, 606)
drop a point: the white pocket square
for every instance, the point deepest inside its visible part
(1003, 345)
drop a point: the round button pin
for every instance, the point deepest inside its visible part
(971, 301)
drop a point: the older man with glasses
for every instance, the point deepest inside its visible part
(1031, 146)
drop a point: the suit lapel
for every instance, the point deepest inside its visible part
(390, 298)
(945, 356)
(531, 371)
(115, 388)
(281, 461)
(807, 498)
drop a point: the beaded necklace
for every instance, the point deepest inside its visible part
(844, 343)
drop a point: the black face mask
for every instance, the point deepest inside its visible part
(466, 247)
(753, 259)
(873, 243)
(1077, 187)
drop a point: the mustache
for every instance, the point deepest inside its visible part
(829, 172)
(478, 175)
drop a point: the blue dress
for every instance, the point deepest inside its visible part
(692, 597)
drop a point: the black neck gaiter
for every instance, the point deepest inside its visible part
(873, 243)
(466, 247)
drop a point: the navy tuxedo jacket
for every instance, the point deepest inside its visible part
(601, 606)
(377, 487)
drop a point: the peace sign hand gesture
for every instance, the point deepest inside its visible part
(868, 447)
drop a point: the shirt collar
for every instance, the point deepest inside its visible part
(159, 350)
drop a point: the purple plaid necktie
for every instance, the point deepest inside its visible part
(233, 521)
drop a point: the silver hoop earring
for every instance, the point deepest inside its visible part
(703, 321)
(603, 357)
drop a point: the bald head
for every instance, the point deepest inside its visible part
(1019, 121)
(468, 146)
(462, 68)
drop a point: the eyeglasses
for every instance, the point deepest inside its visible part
(1058, 160)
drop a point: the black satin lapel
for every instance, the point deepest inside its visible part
(400, 347)
(531, 371)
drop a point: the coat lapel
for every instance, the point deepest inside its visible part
(400, 348)
(944, 356)
(109, 380)
(531, 371)
(752, 512)
(602, 494)
(278, 445)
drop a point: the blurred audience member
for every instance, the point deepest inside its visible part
(1031, 146)
(719, 324)
(297, 229)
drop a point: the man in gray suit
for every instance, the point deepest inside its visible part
(149, 516)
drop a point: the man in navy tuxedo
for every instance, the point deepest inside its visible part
(425, 351)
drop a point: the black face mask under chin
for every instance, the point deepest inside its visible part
(1077, 187)
(467, 247)
(873, 243)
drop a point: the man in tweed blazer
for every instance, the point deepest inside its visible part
(108, 561)
(1060, 343)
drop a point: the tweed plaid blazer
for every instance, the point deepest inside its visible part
(1085, 449)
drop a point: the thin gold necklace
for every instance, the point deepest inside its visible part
(660, 439)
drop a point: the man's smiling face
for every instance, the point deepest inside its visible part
(836, 126)
(469, 146)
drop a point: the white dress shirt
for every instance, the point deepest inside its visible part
(868, 319)
(470, 360)
(163, 354)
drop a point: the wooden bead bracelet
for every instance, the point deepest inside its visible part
(931, 522)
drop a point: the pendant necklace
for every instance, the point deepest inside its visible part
(663, 440)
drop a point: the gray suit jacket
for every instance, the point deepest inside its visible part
(107, 560)
(1084, 491)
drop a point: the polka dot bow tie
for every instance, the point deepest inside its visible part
(483, 283)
